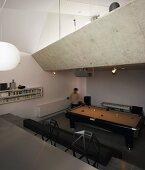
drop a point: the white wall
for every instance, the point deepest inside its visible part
(81, 84)
(126, 87)
(22, 28)
(50, 32)
(32, 30)
(29, 73)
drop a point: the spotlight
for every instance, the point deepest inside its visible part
(114, 70)
(54, 72)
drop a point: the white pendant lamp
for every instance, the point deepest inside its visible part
(9, 54)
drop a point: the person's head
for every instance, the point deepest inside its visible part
(75, 90)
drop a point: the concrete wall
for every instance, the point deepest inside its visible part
(56, 87)
(126, 87)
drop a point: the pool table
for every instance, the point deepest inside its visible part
(119, 122)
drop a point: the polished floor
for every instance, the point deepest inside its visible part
(132, 160)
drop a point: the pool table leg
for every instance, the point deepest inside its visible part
(72, 124)
(129, 140)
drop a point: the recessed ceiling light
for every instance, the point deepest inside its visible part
(54, 72)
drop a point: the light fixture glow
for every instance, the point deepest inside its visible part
(9, 56)
(114, 71)
(54, 72)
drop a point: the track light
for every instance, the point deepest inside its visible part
(114, 70)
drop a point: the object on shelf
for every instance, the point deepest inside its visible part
(13, 85)
(3, 86)
(21, 87)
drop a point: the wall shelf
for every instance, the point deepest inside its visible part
(16, 95)
(115, 106)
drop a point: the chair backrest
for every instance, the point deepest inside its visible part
(87, 100)
(33, 125)
(53, 123)
(137, 110)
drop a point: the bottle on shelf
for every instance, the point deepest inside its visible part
(13, 85)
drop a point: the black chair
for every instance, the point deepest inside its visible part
(62, 137)
(51, 122)
(87, 100)
(34, 126)
(137, 110)
(43, 128)
(48, 128)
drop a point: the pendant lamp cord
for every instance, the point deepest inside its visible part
(1, 28)
(3, 5)
(59, 20)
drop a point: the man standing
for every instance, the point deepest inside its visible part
(75, 98)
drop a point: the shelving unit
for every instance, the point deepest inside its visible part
(16, 95)
(120, 107)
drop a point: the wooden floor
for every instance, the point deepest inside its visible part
(131, 159)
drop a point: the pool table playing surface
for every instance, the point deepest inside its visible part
(122, 118)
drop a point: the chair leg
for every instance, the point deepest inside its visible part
(88, 160)
(47, 139)
(66, 149)
(85, 157)
(54, 144)
(43, 138)
(81, 156)
(74, 154)
(95, 164)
